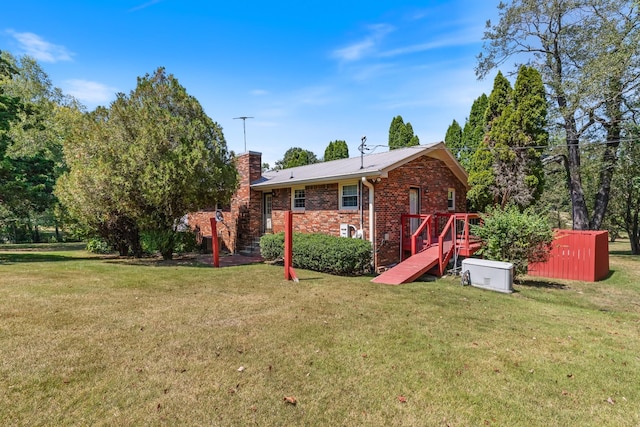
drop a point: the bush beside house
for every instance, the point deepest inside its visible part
(321, 252)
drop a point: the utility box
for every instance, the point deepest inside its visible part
(492, 275)
(347, 230)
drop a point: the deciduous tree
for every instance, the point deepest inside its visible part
(31, 128)
(296, 156)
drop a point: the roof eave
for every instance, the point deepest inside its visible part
(323, 180)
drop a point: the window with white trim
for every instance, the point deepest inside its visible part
(298, 198)
(451, 199)
(349, 196)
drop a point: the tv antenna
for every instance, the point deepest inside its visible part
(362, 148)
(244, 128)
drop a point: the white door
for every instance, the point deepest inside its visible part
(267, 206)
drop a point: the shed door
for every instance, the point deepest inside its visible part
(414, 207)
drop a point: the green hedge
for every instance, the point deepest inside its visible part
(320, 252)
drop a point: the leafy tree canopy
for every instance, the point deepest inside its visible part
(296, 156)
(145, 162)
(32, 125)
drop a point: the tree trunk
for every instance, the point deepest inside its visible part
(609, 159)
(123, 249)
(580, 214)
(634, 236)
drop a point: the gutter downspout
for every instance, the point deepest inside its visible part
(371, 219)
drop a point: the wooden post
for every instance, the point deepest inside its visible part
(215, 247)
(289, 272)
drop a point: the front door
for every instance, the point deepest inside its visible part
(266, 212)
(414, 208)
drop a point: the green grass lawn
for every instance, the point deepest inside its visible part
(89, 340)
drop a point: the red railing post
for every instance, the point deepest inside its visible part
(215, 246)
(289, 272)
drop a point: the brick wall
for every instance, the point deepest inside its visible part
(243, 218)
(321, 213)
(432, 178)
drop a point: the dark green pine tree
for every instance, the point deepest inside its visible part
(401, 134)
(481, 175)
(410, 138)
(518, 136)
(473, 131)
(336, 150)
(453, 139)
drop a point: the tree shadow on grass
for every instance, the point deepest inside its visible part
(42, 247)
(159, 262)
(20, 257)
(541, 284)
(622, 253)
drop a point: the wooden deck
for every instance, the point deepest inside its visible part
(430, 247)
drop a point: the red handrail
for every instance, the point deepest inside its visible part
(444, 256)
(419, 230)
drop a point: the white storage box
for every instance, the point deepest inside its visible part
(491, 275)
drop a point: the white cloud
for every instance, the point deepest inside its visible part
(89, 92)
(40, 49)
(364, 47)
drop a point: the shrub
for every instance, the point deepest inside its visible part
(168, 241)
(320, 252)
(272, 246)
(516, 237)
(98, 246)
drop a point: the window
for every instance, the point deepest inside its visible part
(349, 196)
(451, 199)
(298, 195)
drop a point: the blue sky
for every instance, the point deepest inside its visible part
(308, 72)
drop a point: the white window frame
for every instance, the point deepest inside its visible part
(451, 199)
(341, 196)
(293, 198)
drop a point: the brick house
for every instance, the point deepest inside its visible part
(361, 196)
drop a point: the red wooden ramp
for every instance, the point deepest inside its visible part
(411, 268)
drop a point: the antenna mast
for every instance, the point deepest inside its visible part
(362, 147)
(244, 128)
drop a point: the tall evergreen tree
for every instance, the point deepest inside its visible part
(401, 134)
(474, 129)
(336, 150)
(453, 139)
(518, 137)
(481, 176)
